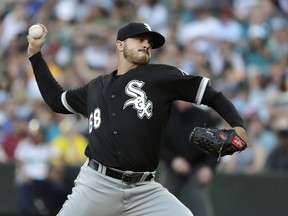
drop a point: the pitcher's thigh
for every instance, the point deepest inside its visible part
(93, 194)
(85, 201)
(168, 205)
(156, 201)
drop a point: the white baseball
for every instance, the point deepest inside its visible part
(35, 31)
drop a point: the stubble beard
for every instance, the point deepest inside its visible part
(133, 57)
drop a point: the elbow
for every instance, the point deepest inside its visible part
(55, 109)
(57, 106)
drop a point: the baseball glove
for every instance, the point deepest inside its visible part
(218, 142)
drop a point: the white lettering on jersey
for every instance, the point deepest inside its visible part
(139, 100)
(94, 119)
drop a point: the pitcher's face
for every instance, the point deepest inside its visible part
(137, 50)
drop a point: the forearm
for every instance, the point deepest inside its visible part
(224, 107)
(49, 88)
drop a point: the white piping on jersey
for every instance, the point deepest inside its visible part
(65, 103)
(201, 90)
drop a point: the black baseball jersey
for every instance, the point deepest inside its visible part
(126, 113)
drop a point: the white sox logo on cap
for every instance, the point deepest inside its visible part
(147, 26)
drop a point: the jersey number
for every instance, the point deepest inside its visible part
(94, 119)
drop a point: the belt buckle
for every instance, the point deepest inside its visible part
(131, 177)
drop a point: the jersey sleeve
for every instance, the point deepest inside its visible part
(197, 89)
(225, 108)
(75, 100)
(183, 86)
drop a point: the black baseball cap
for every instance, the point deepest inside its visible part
(134, 29)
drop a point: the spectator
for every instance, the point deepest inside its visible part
(257, 53)
(203, 32)
(124, 11)
(154, 13)
(283, 6)
(38, 195)
(14, 137)
(258, 95)
(48, 120)
(243, 8)
(232, 29)
(228, 64)
(278, 97)
(278, 159)
(13, 24)
(277, 42)
(186, 166)
(70, 144)
(195, 62)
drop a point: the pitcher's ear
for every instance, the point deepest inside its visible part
(119, 45)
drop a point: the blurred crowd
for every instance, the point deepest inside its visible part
(242, 46)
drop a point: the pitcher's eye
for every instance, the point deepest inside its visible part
(140, 39)
(143, 38)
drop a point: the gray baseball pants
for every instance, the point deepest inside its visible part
(95, 194)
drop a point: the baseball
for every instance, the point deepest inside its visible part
(36, 31)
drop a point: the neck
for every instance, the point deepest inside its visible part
(124, 67)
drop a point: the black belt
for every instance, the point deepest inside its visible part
(127, 177)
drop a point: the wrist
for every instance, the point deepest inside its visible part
(241, 132)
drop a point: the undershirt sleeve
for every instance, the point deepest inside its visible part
(49, 88)
(224, 107)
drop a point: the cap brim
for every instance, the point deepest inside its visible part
(157, 39)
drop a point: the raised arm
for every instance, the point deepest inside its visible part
(50, 89)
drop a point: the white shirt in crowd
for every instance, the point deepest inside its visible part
(35, 158)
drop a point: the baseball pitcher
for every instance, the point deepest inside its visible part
(126, 112)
